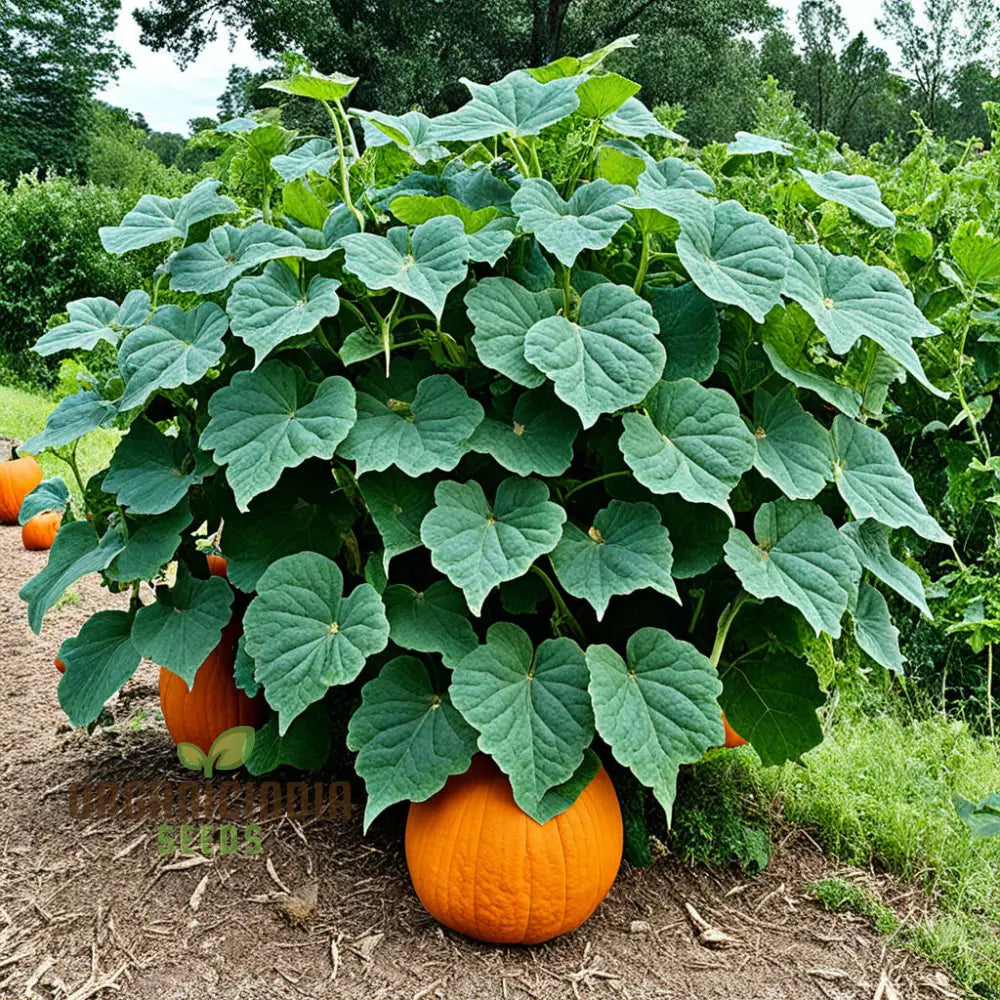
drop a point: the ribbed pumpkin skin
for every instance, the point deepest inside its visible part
(733, 738)
(482, 867)
(39, 533)
(17, 479)
(217, 565)
(214, 704)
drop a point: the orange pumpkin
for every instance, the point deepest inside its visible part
(217, 565)
(60, 666)
(18, 478)
(39, 533)
(214, 703)
(483, 867)
(733, 738)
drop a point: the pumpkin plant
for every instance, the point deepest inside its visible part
(514, 437)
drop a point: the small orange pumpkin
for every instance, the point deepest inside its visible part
(60, 666)
(733, 738)
(39, 533)
(483, 867)
(217, 565)
(214, 703)
(18, 478)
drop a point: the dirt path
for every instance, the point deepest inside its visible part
(88, 906)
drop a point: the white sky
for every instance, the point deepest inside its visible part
(169, 97)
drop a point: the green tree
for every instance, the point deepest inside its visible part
(54, 54)
(972, 85)
(166, 145)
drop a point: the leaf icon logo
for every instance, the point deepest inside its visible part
(230, 749)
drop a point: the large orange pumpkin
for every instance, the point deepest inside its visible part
(17, 479)
(483, 867)
(733, 738)
(214, 703)
(39, 533)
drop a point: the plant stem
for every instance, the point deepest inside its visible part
(345, 176)
(643, 264)
(567, 291)
(596, 479)
(989, 687)
(355, 152)
(387, 325)
(729, 613)
(511, 144)
(564, 612)
(973, 426)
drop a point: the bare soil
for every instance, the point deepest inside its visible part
(89, 909)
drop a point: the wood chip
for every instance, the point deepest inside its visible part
(640, 927)
(830, 975)
(708, 935)
(274, 877)
(195, 901)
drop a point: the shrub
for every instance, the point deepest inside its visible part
(513, 456)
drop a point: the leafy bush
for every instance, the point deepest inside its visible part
(50, 253)
(446, 414)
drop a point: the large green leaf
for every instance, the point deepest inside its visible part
(874, 484)
(625, 549)
(50, 494)
(99, 660)
(695, 552)
(689, 330)
(748, 144)
(793, 448)
(430, 621)
(588, 221)
(230, 252)
(317, 156)
(397, 503)
(331, 87)
(152, 543)
(530, 707)
(874, 631)
(601, 96)
(305, 746)
(281, 525)
(634, 119)
(558, 799)
(478, 547)
(419, 430)
(155, 219)
(150, 472)
(607, 360)
(673, 172)
(74, 417)
(870, 541)
(849, 299)
(657, 708)
(771, 702)
(409, 738)
(518, 105)
(270, 419)
(425, 264)
(75, 552)
(271, 308)
(858, 192)
(174, 348)
(800, 558)
(306, 636)
(184, 624)
(735, 256)
(977, 253)
(579, 66)
(413, 132)
(538, 438)
(689, 440)
(94, 320)
(416, 209)
(502, 312)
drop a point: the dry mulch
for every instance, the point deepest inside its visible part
(89, 909)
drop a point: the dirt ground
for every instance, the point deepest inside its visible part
(89, 909)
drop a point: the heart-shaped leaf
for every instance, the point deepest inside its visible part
(607, 360)
(409, 738)
(874, 630)
(858, 192)
(317, 156)
(269, 420)
(305, 636)
(870, 541)
(874, 484)
(793, 448)
(530, 707)
(673, 173)
(152, 543)
(99, 660)
(271, 308)
(601, 96)
(657, 709)
(800, 558)
(74, 417)
(331, 87)
(425, 264)
(94, 320)
(588, 221)
(185, 623)
(412, 132)
(155, 219)
(625, 549)
(174, 348)
(430, 621)
(478, 547)
(49, 495)
(689, 440)
(635, 120)
(397, 503)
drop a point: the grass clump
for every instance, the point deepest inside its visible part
(838, 894)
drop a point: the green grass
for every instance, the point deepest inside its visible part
(839, 894)
(879, 790)
(23, 414)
